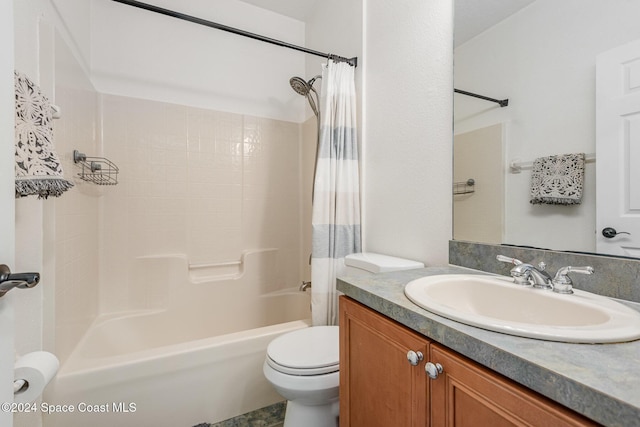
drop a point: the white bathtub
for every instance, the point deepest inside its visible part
(197, 360)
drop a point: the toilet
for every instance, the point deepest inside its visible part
(303, 365)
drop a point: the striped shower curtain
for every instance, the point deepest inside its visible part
(336, 202)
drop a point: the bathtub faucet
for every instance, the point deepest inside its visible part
(304, 286)
(9, 281)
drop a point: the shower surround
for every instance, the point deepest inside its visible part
(202, 183)
(201, 194)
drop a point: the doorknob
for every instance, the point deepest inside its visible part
(610, 232)
(9, 281)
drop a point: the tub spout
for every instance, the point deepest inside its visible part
(304, 286)
(9, 281)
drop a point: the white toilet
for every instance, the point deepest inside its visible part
(303, 365)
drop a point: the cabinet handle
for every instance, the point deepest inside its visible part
(433, 370)
(414, 357)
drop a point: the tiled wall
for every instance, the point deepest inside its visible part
(196, 182)
(77, 211)
(203, 183)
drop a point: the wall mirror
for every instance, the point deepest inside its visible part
(541, 56)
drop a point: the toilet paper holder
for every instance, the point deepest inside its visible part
(32, 372)
(20, 386)
(9, 281)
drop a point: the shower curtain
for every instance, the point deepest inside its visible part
(336, 202)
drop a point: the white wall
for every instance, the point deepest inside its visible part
(335, 27)
(407, 66)
(543, 60)
(28, 219)
(36, 23)
(142, 54)
(7, 188)
(74, 22)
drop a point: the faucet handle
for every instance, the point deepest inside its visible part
(520, 273)
(509, 260)
(562, 283)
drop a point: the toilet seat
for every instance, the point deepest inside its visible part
(305, 352)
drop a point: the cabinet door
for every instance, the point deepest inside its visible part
(379, 387)
(466, 394)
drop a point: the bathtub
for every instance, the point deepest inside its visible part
(197, 359)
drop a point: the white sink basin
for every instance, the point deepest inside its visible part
(497, 304)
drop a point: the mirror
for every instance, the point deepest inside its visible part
(540, 55)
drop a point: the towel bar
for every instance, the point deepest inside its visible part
(517, 166)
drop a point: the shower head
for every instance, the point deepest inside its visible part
(301, 86)
(305, 88)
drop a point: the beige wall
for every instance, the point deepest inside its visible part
(197, 182)
(76, 214)
(479, 216)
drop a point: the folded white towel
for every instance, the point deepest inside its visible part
(38, 169)
(558, 180)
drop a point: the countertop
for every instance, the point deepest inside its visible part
(600, 381)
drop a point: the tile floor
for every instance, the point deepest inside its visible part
(270, 416)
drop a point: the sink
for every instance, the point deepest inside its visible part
(497, 304)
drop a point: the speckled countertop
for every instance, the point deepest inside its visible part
(600, 381)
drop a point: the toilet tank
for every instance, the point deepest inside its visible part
(366, 263)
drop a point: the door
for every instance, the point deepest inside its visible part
(7, 202)
(618, 150)
(466, 394)
(379, 386)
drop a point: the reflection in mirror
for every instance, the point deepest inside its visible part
(542, 57)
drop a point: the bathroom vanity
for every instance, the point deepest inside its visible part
(478, 377)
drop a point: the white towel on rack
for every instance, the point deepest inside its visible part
(558, 180)
(38, 169)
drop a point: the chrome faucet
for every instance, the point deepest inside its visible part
(526, 274)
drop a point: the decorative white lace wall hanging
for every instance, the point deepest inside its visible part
(38, 169)
(558, 180)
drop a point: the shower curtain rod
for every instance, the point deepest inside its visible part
(502, 102)
(351, 61)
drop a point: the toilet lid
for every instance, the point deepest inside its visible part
(308, 351)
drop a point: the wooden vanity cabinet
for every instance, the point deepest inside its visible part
(467, 394)
(379, 387)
